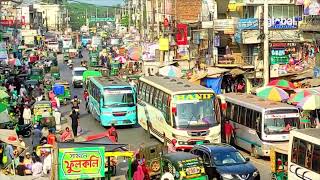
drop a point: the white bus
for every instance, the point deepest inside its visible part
(258, 123)
(172, 108)
(304, 154)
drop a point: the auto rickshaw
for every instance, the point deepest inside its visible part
(152, 156)
(93, 59)
(55, 72)
(65, 57)
(62, 90)
(279, 162)
(115, 67)
(36, 74)
(184, 165)
(39, 108)
(31, 83)
(128, 155)
(48, 82)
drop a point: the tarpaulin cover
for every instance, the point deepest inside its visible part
(214, 84)
(58, 89)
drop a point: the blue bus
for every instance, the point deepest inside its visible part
(112, 101)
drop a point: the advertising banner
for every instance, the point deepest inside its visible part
(81, 163)
(182, 34)
(164, 44)
(310, 7)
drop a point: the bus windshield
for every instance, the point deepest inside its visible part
(280, 123)
(118, 98)
(195, 114)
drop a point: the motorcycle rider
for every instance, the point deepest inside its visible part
(75, 103)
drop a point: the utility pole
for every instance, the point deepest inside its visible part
(87, 20)
(266, 67)
(130, 17)
(157, 16)
(141, 18)
(67, 18)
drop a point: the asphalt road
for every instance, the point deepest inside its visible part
(127, 135)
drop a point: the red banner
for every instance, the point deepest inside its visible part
(182, 34)
(11, 22)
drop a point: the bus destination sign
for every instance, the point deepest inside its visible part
(192, 97)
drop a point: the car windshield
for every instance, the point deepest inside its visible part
(78, 73)
(226, 158)
(195, 114)
(279, 125)
(118, 98)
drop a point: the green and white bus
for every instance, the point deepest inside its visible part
(112, 101)
(259, 124)
(173, 108)
(304, 154)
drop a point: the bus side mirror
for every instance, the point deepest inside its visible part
(247, 159)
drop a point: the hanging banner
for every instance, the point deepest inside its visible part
(81, 163)
(182, 34)
(164, 44)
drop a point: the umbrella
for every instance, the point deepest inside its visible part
(171, 71)
(121, 59)
(310, 103)
(272, 93)
(283, 84)
(2, 88)
(299, 96)
(3, 94)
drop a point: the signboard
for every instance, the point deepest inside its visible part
(248, 24)
(224, 24)
(182, 34)
(310, 7)
(284, 23)
(251, 37)
(94, 19)
(207, 24)
(285, 36)
(290, 115)
(164, 44)
(191, 97)
(81, 163)
(248, 2)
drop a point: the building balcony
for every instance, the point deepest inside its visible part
(236, 60)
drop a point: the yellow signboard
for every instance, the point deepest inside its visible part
(188, 97)
(164, 44)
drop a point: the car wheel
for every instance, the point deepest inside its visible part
(27, 134)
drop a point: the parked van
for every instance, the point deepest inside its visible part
(77, 78)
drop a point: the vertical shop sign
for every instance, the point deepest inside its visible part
(81, 163)
(182, 34)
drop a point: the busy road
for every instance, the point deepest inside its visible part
(128, 135)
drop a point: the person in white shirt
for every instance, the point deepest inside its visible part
(26, 114)
(47, 163)
(57, 118)
(167, 175)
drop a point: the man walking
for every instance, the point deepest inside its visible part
(228, 130)
(74, 121)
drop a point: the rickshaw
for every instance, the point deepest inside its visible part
(84, 63)
(129, 155)
(279, 162)
(55, 72)
(152, 156)
(39, 107)
(184, 165)
(36, 74)
(62, 90)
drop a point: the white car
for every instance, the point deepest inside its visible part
(77, 78)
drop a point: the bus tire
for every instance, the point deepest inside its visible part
(254, 152)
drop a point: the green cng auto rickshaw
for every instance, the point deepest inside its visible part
(39, 108)
(62, 90)
(36, 74)
(183, 165)
(93, 58)
(55, 72)
(115, 68)
(65, 57)
(279, 162)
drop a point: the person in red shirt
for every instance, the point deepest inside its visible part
(112, 133)
(51, 139)
(228, 130)
(86, 97)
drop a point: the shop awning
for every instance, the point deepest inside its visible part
(237, 72)
(304, 75)
(10, 137)
(214, 71)
(312, 82)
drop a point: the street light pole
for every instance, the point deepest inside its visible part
(266, 67)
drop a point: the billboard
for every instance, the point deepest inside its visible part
(310, 7)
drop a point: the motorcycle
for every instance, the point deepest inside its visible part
(24, 130)
(70, 64)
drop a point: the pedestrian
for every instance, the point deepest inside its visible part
(66, 135)
(75, 102)
(74, 121)
(57, 118)
(26, 114)
(172, 146)
(167, 175)
(112, 133)
(9, 154)
(138, 174)
(57, 101)
(36, 167)
(47, 162)
(228, 131)
(28, 161)
(51, 139)
(36, 136)
(21, 168)
(45, 131)
(22, 143)
(86, 97)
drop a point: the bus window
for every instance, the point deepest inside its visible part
(151, 95)
(243, 115)
(229, 111)
(166, 109)
(155, 98)
(294, 156)
(309, 156)
(302, 149)
(249, 118)
(160, 95)
(143, 90)
(235, 113)
(147, 99)
(316, 159)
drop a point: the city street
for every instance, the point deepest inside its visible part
(128, 135)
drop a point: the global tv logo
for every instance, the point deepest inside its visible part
(284, 23)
